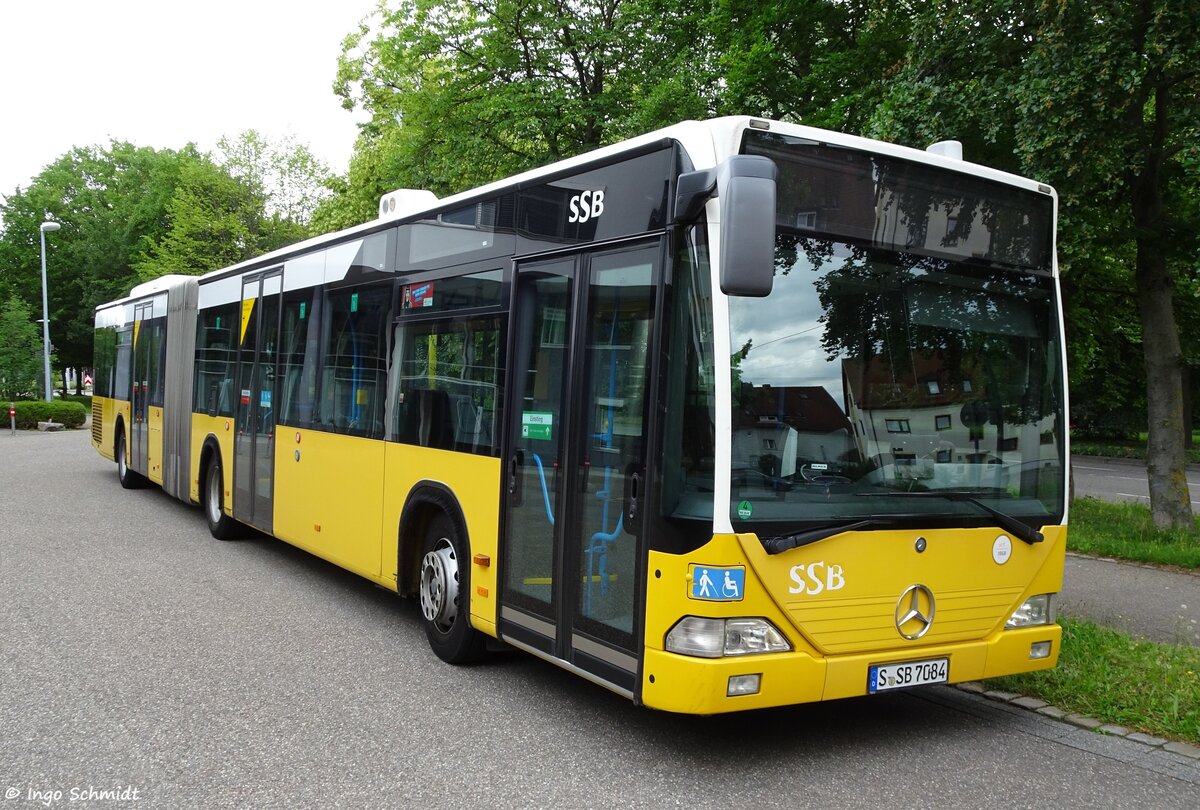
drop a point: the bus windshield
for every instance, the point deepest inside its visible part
(867, 372)
(910, 384)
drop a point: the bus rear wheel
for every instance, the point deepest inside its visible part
(220, 525)
(128, 478)
(444, 589)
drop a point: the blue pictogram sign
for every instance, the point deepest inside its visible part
(716, 584)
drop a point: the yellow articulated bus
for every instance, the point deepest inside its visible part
(734, 414)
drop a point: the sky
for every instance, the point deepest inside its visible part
(163, 73)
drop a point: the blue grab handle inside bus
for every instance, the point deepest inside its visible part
(545, 491)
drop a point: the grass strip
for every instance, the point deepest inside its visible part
(1125, 531)
(1115, 678)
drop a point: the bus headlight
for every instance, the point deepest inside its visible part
(1036, 610)
(714, 638)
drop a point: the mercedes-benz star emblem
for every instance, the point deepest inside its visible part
(914, 612)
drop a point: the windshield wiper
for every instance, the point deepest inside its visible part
(784, 542)
(1007, 522)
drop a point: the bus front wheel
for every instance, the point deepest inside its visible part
(220, 525)
(445, 579)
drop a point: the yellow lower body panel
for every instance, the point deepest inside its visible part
(680, 683)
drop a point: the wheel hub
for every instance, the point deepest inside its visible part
(439, 586)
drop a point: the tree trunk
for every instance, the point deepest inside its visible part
(1170, 504)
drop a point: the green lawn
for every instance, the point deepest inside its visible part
(1105, 674)
(1125, 531)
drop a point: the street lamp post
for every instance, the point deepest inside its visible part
(46, 227)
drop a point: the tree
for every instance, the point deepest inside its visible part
(111, 202)
(291, 179)
(20, 351)
(249, 198)
(461, 93)
(1100, 99)
(215, 221)
(816, 61)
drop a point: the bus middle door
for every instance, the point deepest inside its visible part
(254, 442)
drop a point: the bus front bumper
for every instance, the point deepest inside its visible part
(689, 685)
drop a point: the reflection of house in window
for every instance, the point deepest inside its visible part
(897, 426)
(942, 422)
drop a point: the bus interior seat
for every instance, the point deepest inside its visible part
(428, 419)
(468, 422)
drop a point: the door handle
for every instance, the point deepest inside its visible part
(633, 494)
(515, 490)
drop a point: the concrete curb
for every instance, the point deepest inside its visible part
(1109, 729)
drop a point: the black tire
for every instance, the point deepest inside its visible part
(444, 592)
(212, 501)
(128, 478)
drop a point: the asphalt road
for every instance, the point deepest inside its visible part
(1117, 479)
(139, 654)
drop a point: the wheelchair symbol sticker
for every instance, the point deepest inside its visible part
(716, 584)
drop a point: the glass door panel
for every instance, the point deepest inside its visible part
(537, 431)
(254, 442)
(612, 441)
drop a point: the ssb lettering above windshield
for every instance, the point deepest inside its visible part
(587, 205)
(814, 578)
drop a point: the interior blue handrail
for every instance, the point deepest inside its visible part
(545, 491)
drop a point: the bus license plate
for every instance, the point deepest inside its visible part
(913, 673)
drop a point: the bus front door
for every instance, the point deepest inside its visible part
(573, 561)
(254, 442)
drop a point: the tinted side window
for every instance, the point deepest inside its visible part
(299, 346)
(122, 379)
(105, 361)
(215, 360)
(449, 384)
(354, 364)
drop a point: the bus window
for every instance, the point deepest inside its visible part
(215, 358)
(448, 387)
(353, 377)
(298, 356)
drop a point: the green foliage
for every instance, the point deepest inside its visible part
(1125, 531)
(1141, 685)
(461, 93)
(30, 412)
(1099, 99)
(111, 202)
(215, 221)
(20, 351)
(291, 180)
(252, 197)
(131, 213)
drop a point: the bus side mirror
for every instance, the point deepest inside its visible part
(746, 189)
(745, 186)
